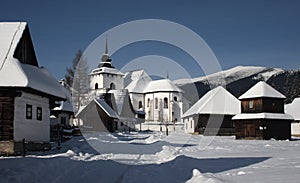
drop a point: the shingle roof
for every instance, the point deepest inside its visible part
(216, 101)
(262, 89)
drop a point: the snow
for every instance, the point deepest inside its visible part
(107, 70)
(64, 106)
(216, 101)
(164, 85)
(263, 116)
(262, 89)
(232, 75)
(168, 159)
(138, 81)
(105, 107)
(10, 34)
(293, 109)
(15, 74)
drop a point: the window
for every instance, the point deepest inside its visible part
(96, 86)
(165, 102)
(191, 124)
(28, 111)
(251, 104)
(112, 86)
(175, 99)
(148, 102)
(39, 113)
(140, 104)
(156, 103)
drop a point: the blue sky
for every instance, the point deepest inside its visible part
(262, 33)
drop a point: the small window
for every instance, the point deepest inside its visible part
(28, 111)
(165, 102)
(148, 102)
(175, 99)
(96, 86)
(191, 124)
(140, 104)
(251, 104)
(39, 113)
(112, 86)
(156, 103)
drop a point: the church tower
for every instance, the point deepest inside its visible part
(106, 77)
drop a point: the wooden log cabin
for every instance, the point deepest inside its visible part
(27, 92)
(262, 114)
(212, 114)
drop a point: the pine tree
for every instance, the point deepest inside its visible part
(71, 70)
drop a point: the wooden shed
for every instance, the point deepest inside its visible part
(212, 114)
(262, 114)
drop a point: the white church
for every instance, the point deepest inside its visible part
(133, 96)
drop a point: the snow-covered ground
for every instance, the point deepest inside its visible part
(151, 157)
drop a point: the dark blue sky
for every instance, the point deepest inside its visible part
(252, 32)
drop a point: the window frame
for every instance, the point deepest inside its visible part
(39, 116)
(28, 112)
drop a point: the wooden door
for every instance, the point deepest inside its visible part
(249, 130)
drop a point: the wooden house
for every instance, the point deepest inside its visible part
(27, 91)
(293, 109)
(262, 114)
(211, 115)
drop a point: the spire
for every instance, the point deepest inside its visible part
(106, 60)
(106, 46)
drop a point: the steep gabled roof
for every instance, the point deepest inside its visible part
(294, 109)
(139, 81)
(18, 66)
(216, 101)
(262, 89)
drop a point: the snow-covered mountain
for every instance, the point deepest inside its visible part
(237, 80)
(233, 74)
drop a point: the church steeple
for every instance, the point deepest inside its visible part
(106, 60)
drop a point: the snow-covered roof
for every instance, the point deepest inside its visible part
(262, 89)
(13, 73)
(106, 108)
(139, 81)
(216, 101)
(293, 109)
(162, 85)
(262, 116)
(64, 106)
(106, 70)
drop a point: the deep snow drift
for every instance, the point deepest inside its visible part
(151, 157)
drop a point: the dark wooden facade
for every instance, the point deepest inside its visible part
(6, 118)
(271, 105)
(279, 129)
(263, 129)
(227, 125)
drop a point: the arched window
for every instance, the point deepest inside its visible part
(148, 102)
(165, 102)
(112, 86)
(175, 99)
(96, 86)
(156, 103)
(140, 104)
